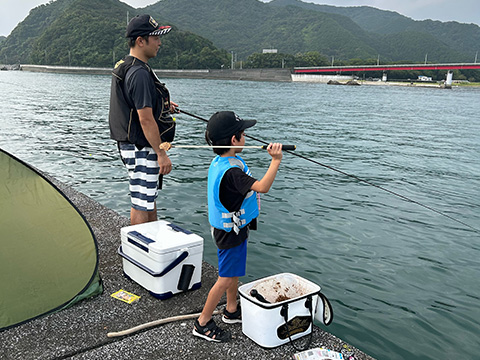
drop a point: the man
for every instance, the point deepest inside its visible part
(140, 117)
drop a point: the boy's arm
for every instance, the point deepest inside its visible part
(263, 185)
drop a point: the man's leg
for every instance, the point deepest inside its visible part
(144, 182)
(140, 217)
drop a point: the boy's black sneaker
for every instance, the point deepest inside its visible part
(232, 318)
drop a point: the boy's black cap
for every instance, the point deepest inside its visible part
(224, 124)
(142, 25)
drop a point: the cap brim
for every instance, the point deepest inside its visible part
(162, 30)
(247, 124)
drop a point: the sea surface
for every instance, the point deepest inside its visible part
(403, 279)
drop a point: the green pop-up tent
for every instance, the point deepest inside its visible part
(48, 252)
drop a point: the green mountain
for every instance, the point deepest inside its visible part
(291, 26)
(92, 33)
(460, 38)
(248, 26)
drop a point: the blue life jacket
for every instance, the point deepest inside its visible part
(218, 215)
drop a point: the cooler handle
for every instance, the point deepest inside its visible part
(179, 229)
(324, 310)
(284, 314)
(132, 236)
(167, 269)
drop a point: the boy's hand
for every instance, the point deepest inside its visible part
(275, 151)
(263, 185)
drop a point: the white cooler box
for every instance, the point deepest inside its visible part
(284, 311)
(162, 257)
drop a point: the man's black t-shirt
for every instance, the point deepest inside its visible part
(141, 89)
(234, 187)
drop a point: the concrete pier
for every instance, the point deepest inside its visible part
(80, 332)
(215, 74)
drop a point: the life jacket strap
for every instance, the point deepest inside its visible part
(236, 221)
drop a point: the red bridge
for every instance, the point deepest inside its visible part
(339, 69)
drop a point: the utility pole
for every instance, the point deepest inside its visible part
(426, 58)
(333, 59)
(476, 54)
(232, 65)
(127, 17)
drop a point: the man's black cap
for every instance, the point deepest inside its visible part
(142, 25)
(225, 124)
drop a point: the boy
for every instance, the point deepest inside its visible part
(232, 210)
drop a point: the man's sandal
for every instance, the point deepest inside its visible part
(210, 332)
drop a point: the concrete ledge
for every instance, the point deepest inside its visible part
(80, 332)
(227, 74)
(66, 69)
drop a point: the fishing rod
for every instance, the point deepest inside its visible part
(167, 146)
(403, 197)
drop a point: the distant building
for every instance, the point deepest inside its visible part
(269, 51)
(424, 78)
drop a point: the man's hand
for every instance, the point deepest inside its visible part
(164, 162)
(173, 107)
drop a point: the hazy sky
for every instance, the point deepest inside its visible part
(468, 11)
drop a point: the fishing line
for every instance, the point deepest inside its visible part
(403, 197)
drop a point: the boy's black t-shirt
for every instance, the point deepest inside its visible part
(234, 187)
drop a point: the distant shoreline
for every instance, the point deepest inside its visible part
(283, 75)
(275, 75)
(436, 85)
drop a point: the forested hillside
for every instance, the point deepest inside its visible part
(291, 26)
(208, 32)
(92, 33)
(462, 38)
(248, 26)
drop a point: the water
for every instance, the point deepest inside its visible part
(403, 280)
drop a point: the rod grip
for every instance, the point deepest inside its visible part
(284, 147)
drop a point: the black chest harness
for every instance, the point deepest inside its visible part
(123, 117)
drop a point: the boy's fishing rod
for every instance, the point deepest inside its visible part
(167, 146)
(403, 197)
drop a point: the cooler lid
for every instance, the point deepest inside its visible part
(162, 237)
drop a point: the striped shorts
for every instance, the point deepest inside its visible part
(144, 180)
